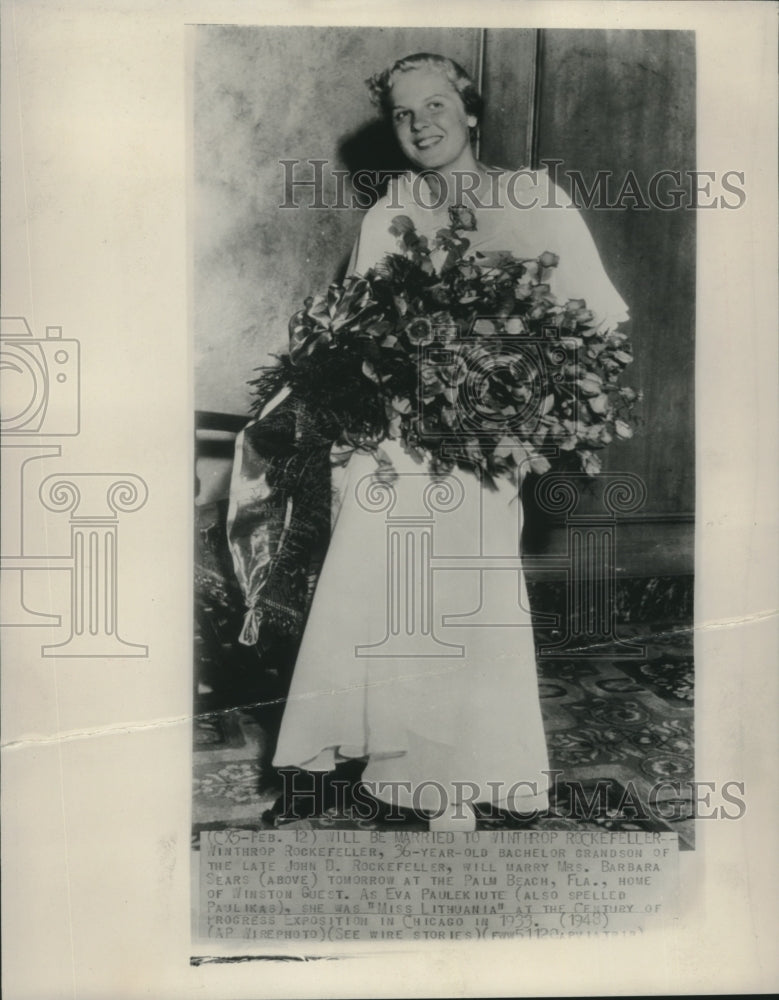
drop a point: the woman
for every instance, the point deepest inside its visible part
(448, 718)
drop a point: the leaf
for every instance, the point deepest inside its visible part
(400, 225)
(521, 453)
(506, 445)
(395, 426)
(484, 327)
(623, 430)
(540, 464)
(496, 258)
(370, 372)
(515, 326)
(591, 385)
(599, 404)
(531, 269)
(590, 462)
(401, 405)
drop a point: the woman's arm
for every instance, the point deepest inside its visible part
(580, 273)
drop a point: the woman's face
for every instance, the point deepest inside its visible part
(430, 121)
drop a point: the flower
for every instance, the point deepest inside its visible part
(457, 361)
(462, 218)
(350, 304)
(419, 329)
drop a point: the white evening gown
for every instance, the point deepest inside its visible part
(449, 699)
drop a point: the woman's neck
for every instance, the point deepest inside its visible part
(449, 185)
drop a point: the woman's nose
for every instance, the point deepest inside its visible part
(418, 122)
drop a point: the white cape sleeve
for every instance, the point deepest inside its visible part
(553, 223)
(375, 240)
(580, 273)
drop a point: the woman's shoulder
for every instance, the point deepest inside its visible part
(401, 195)
(526, 188)
(402, 199)
(376, 238)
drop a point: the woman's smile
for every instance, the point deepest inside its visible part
(430, 121)
(427, 141)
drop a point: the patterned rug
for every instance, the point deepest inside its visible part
(614, 729)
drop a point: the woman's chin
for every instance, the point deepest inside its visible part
(427, 163)
(431, 158)
(438, 159)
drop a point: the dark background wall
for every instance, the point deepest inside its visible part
(617, 101)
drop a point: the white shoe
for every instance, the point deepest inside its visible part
(457, 818)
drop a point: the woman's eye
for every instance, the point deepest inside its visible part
(398, 115)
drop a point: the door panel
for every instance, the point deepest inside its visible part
(625, 101)
(509, 89)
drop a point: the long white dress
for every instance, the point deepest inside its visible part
(418, 652)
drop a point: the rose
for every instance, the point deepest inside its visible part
(462, 218)
(419, 330)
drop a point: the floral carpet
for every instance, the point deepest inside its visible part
(615, 729)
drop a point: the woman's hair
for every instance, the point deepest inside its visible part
(380, 85)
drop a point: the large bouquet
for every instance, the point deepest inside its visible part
(466, 358)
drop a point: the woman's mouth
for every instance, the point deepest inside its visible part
(427, 141)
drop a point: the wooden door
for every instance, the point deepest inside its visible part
(616, 103)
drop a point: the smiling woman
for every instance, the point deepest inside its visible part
(429, 678)
(429, 115)
(435, 111)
